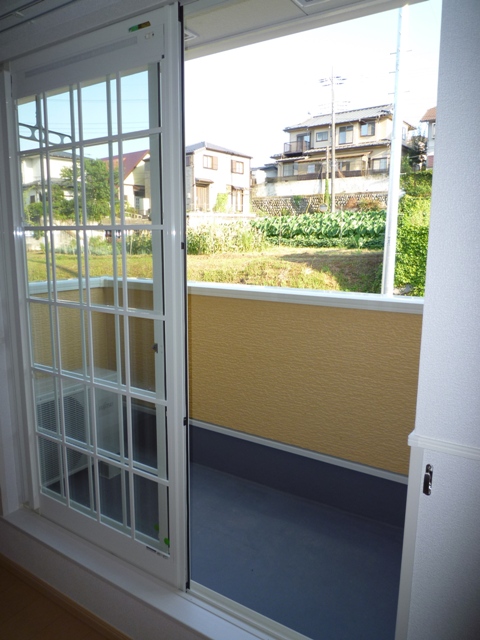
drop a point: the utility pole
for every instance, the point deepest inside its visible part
(391, 224)
(332, 81)
(334, 142)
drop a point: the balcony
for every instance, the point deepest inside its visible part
(296, 148)
(301, 403)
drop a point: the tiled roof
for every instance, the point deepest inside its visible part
(430, 116)
(345, 116)
(130, 161)
(213, 147)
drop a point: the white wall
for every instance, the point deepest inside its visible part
(375, 183)
(444, 602)
(451, 348)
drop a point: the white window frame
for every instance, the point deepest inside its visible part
(114, 577)
(44, 77)
(238, 166)
(210, 162)
(380, 164)
(367, 129)
(321, 136)
(346, 132)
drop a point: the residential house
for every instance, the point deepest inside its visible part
(135, 176)
(217, 179)
(440, 581)
(136, 182)
(32, 171)
(430, 118)
(362, 154)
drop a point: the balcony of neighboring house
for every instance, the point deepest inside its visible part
(315, 168)
(301, 403)
(297, 147)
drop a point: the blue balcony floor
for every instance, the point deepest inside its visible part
(326, 573)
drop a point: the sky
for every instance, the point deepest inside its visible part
(243, 99)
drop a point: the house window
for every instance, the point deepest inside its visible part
(311, 168)
(188, 161)
(380, 164)
(289, 169)
(236, 200)
(345, 135)
(237, 166)
(433, 130)
(303, 142)
(322, 136)
(210, 162)
(367, 129)
(344, 165)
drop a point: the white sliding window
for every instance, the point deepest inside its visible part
(100, 154)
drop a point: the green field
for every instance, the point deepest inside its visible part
(324, 269)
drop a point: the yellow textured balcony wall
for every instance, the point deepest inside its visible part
(338, 381)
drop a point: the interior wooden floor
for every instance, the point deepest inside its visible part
(31, 610)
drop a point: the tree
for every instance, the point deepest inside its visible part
(97, 191)
(34, 213)
(417, 155)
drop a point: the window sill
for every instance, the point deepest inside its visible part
(135, 603)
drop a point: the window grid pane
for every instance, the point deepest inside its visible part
(95, 222)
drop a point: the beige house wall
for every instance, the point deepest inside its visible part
(383, 130)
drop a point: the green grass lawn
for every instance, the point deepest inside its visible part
(324, 269)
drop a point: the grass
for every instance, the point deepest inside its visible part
(324, 269)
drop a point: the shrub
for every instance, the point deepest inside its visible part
(411, 264)
(415, 209)
(34, 213)
(221, 203)
(351, 203)
(67, 249)
(99, 247)
(412, 243)
(216, 238)
(140, 244)
(418, 183)
(369, 204)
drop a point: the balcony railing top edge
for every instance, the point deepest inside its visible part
(340, 299)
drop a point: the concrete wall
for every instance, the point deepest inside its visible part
(275, 206)
(292, 187)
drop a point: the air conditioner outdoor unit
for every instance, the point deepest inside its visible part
(76, 423)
